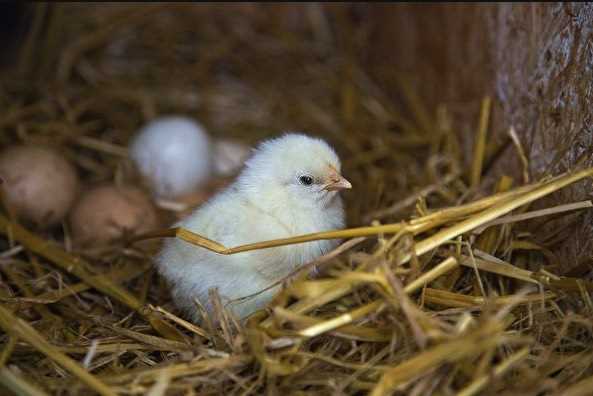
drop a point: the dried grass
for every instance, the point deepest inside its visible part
(453, 293)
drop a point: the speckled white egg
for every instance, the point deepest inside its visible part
(173, 154)
(229, 156)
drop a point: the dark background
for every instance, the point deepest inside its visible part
(535, 60)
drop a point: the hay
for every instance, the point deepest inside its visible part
(443, 284)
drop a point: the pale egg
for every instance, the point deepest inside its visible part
(229, 156)
(173, 154)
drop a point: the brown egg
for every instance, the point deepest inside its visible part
(39, 184)
(108, 212)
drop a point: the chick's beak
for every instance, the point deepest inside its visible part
(337, 182)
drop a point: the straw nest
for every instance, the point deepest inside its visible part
(446, 284)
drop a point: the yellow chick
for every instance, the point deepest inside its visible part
(289, 186)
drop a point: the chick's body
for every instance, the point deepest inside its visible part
(289, 187)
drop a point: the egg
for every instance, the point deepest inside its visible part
(108, 212)
(229, 156)
(185, 204)
(39, 184)
(173, 154)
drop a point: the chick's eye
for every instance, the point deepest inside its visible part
(306, 180)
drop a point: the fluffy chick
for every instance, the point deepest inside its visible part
(289, 186)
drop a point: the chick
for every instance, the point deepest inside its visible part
(288, 187)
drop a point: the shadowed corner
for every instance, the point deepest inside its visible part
(15, 24)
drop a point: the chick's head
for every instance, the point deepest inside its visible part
(294, 169)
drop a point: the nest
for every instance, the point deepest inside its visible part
(446, 282)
